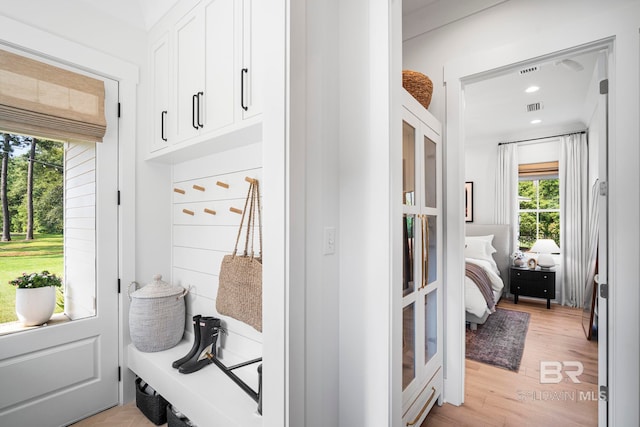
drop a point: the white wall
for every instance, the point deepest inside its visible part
(201, 240)
(513, 32)
(480, 167)
(76, 20)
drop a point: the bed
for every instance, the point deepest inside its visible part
(494, 261)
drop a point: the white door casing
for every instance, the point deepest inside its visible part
(602, 304)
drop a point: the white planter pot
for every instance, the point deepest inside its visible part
(35, 306)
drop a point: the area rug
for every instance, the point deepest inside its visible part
(500, 340)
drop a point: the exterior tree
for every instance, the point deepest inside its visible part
(32, 157)
(6, 218)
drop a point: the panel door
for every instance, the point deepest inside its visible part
(57, 374)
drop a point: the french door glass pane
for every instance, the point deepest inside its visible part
(408, 254)
(430, 325)
(430, 173)
(408, 345)
(432, 249)
(408, 164)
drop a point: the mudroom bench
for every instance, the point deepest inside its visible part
(208, 397)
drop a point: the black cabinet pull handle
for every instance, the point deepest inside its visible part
(242, 74)
(193, 111)
(198, 120)
(162, 116)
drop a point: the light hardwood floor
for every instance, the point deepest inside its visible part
(120, 416)
(494, 396)
(497, 397)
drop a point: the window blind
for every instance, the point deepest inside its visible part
(538, 169)
(43, 100)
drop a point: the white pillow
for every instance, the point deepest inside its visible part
(480, 247)
(488, 239)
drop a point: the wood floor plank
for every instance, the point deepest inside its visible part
(498, 397)
(121, 416)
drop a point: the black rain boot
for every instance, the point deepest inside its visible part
(260, 389)
(209, 330)
(196, 343)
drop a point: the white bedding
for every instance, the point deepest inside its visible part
(474, 301)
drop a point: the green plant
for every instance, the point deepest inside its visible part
(36, 280)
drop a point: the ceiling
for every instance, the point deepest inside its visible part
(496, 108)
(141, 14)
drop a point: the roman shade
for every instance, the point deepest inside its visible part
(538, 169)
(43, 100)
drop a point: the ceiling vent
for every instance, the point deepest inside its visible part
(529, 70)
(536, 106)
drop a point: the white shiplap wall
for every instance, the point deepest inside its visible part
(200, 241)
(80, 229)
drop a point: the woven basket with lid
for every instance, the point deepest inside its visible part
(418, 85)
(156, 315)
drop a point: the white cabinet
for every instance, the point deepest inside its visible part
(422, 345)
(204, 69)
(160, 93)
(213, 83)
(250, 87)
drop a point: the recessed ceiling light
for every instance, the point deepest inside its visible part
(532, 89)
(536, 121)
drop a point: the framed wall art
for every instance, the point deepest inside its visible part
(468, 201)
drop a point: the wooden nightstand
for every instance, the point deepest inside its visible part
(533, 283)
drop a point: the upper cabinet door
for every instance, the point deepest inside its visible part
(251, 71)
(213, 56)
(160, 104)
(189, 66)
(220, 65)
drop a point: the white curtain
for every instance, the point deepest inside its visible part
(506, 211)
(574, 218)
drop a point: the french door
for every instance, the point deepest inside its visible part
(422, 269)
(55, 375)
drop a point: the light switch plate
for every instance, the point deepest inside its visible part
(329, 240)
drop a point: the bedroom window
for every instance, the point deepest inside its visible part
(539, 203)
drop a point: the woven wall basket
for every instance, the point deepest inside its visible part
(418, 85)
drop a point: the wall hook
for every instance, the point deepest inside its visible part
(235, 210)
(198, 187)
(188, 212)
(222, 184)
(209, 211)
(250, 180)
(179, 190)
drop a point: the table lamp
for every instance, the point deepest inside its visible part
(544, 248)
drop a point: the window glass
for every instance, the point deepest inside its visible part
(539, 213)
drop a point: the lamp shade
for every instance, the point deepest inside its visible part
(545, 247)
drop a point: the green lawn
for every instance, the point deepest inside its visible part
(18, 256)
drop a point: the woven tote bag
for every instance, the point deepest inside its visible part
(240, 281)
